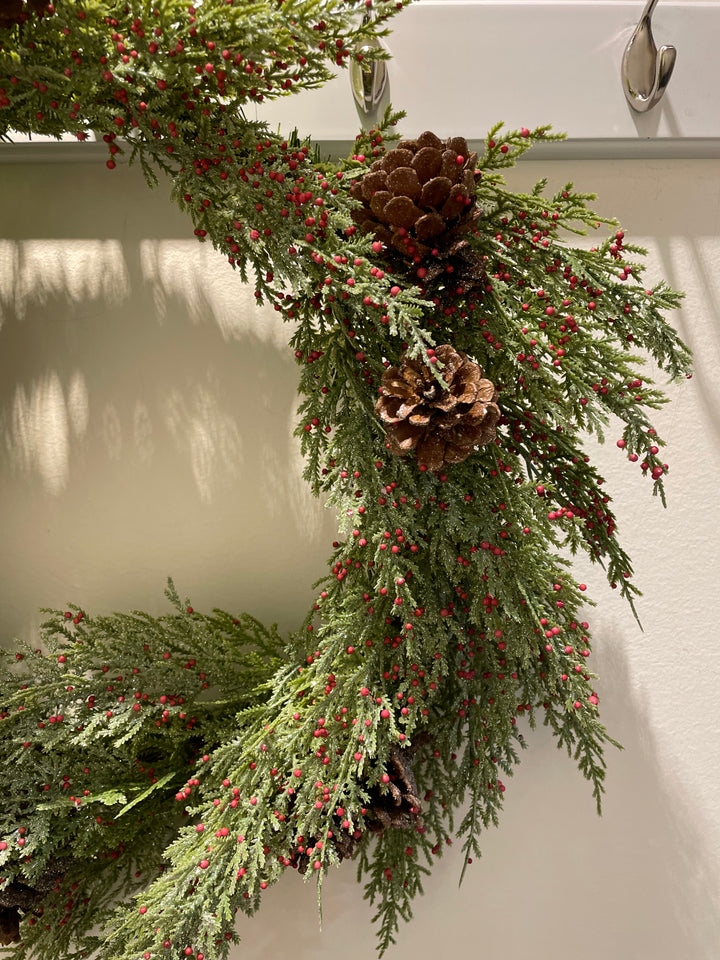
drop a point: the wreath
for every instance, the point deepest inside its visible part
(455, 354)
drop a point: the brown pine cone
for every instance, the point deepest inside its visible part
(394, 805)
(420, 195)
(16, 11)
(344, 843)
(397, 805)
(441, 425)
(10, 11)
(9, 926)
(17, 897)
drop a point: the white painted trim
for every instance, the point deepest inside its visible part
(460, 67)
(577, 149)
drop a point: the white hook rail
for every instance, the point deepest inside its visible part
(462, 65)
(459, 66)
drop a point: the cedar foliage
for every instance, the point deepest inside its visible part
(162, 801)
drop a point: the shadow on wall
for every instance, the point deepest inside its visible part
(146, 415)
(685, 266)
(652, 808)
(67, 304)
(639, 882)
(690, 265)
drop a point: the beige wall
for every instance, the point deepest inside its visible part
(146, 409)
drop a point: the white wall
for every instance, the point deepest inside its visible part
(146, 408)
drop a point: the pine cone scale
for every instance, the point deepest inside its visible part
(468, 181)
(401, 212)
(485, 392)
(444, 406)
(429, 226)
(405, 181)
(420, 419)
(435, 192)
(449, 167)
(431, 452)
(398, 157)
(400, 388)
(406, 410)
(451, 359)
(459, 145)
(427, 163)
(429, 139)
(405, 437)
(388, 414)
(379, 201)
(372, 182)
(454, 454)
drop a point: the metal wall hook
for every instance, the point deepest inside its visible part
(369, 80)
(646, 71)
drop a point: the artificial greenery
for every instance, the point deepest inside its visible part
(160, 773)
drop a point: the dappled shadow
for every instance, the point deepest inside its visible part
(146, 413)
(692, 265)
(40, 423)
(90, 366)
(35, 273)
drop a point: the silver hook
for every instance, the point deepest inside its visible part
(368, 81)
(646, 71)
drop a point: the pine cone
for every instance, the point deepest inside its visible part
(10, 11)
(17, 897)
(420, 195)
(9, 926)
(13, 12)
(398, 806)
(441, 425)
(394, 805)
(345, 846)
